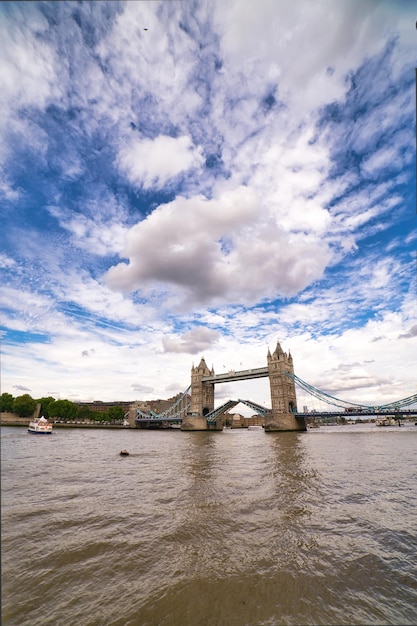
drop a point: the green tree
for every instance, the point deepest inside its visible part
(6, 402)
(116, 413)
(98, 416)
(85, 413)
(24, 405)
(64, 409)
(46, 403)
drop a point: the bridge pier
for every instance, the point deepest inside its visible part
(192, 422)
(283, 422)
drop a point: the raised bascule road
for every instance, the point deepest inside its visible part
(194, 408)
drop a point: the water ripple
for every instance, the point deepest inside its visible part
(240, 528)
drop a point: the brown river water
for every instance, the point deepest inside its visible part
(232, 528)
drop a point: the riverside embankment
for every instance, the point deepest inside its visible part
(11, 419)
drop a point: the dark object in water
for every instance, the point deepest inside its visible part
(124, 453)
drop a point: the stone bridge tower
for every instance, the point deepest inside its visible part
(202, 393)
(202, 398)
(283, 398)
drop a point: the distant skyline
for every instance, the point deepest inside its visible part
(189, 179)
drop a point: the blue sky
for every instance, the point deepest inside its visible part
(188, 179)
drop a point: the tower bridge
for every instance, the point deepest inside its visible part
(282, 416)
(198, 413)
(194, 408)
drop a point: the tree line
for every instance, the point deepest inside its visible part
(25, 406)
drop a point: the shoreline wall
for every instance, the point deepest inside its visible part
(12, 419)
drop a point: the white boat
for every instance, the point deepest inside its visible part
(40, 426)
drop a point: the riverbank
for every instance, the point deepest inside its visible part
(69, 425)
(10, 419)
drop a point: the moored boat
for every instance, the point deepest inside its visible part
(40, 426)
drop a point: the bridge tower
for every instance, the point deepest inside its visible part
(202, 398)
(283, 399)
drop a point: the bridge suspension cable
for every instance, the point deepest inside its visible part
(344, 404)
(176, 410)
(401, 403)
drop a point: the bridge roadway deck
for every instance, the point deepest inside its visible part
(363, 413)
(259, 372)
(341, 413)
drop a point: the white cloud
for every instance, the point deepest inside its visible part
(217, 251)
(378, 119)
(24, 310)
(28, 78)
(141, 389)
(380, 160)
(194, 341)
(100, 234)
(284, 38)
(152, 163)
(179, 242)
(7, 191)
(6, 261)
(21, 43)
(150, 71)
(352, 366)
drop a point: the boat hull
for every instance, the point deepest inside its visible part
(39, 432)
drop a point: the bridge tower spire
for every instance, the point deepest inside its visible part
(283, 398)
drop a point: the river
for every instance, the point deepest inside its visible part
(232, 528)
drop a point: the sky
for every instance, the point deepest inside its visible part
(185, 179)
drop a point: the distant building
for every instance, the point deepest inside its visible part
(102, 407)
(158, 406)
(239, 421)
